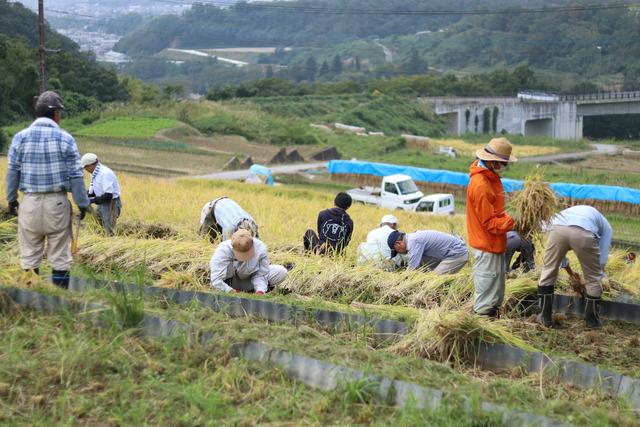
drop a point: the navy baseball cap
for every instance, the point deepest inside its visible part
(392, 239)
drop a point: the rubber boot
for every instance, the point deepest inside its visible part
(60, 278)
(592, 312)
(545, 302)
(35, 271)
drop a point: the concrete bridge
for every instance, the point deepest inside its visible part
(546, 115)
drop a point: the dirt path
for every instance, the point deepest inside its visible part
(277, 170)
(598, 149)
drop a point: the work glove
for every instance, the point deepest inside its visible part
(13, 208)
(83, 212)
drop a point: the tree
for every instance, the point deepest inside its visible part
(336, 65)
(415, 64)
(310, 68)
(269, 72)
(494, 119)
(486, 120)
(324, 68)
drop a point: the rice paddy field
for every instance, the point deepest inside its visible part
(56, 368)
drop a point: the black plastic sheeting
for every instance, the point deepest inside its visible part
(494, 357)
(238, 306)
(577, 374)
(611, 310)
(313, 372)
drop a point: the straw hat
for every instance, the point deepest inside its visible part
(242, 245)
(498, 149)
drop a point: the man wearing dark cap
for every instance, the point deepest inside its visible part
(44, 165)
(334, 228)
(432, 250)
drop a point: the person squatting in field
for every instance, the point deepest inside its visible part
(241, 264)
(376, 250)
(104, 191)
(44, 164)
(335, 228)
(222, 217)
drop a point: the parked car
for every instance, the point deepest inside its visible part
(441, 204)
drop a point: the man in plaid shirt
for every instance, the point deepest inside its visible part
(44, 165)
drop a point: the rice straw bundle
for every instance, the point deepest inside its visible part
(8, 230)
(145, 230)
(535, 205)
(159, 256)
(449, 336)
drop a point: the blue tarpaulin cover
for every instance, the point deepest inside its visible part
(574, 191)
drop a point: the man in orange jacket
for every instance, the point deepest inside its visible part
(488, 224)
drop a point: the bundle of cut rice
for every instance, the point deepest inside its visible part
(450, 336)
(534, 206)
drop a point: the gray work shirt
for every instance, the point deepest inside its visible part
(223, 266)
(428, 248)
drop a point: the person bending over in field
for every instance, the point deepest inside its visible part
(241, 264)
(334, 228)
(515, 243)
(104, 191)
(376, 250)
(430, 250)
(222, 217)
(588, 234)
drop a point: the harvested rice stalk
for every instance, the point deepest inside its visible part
(535, 205)
(159, 256)
(449, 336)
(144, 230)
(8, 230)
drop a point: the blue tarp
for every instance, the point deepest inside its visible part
(264, 171)
(574, 191)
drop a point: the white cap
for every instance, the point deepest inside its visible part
(390, 219)
(88, 159)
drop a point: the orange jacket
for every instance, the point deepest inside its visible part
(487, 222)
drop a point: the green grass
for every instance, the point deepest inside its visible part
(392, 115)
(128, 127)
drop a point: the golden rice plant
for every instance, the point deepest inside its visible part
(534, 206)
(449, 335)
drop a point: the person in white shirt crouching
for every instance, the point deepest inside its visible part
(375, 250)
(104, 191)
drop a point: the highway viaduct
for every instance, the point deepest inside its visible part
(558, 116)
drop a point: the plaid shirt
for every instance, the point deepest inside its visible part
(45, 157)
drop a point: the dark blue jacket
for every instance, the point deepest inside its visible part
(335, 228)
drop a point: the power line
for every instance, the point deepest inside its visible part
(433, 12)
(387, 12)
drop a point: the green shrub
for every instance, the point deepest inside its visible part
(4, 141)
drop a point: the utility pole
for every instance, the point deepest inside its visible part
(43, 85)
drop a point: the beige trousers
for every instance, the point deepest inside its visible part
(45, 216)
(584, 244)
(451, 265)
